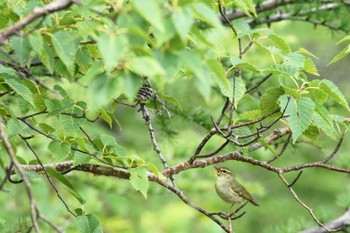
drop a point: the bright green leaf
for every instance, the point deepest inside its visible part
(147, 66)
(139, 179)
(239, 90)
(60, 150)
(65, 46)
(333, 91)
(65, 181)
(111, 47)
(151, 11)
(182, 20)
(223, 83)
(89, 224)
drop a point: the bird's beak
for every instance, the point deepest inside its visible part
(217, 170)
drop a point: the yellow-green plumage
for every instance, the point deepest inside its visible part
(229, 189)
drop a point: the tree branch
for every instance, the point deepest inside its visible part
(342, 221)
(36, 13)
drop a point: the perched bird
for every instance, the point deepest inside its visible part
(228, 188)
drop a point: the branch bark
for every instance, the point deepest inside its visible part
(36, 13)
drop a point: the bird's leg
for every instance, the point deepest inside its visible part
(238, 209)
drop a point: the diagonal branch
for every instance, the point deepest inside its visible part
(307, 207)
(36, 13)
(22, 173)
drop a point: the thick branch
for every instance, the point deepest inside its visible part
(36, 13)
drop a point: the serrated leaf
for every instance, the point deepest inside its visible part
(80, 158)
(310, 67)
(322, 122)
(22, 90)
(222, 81)
(294, 59)
(65, 46)
(64, 181)
(108, 140)
(304, 51)
(139, 179)
(239, 90)
(151, 11)
(299, 114)
(333, 91)
(70, 123)
(88, 224)
(60, 150)
(21, 47)
(182, 20)
(281, 43)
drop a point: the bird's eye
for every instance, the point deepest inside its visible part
(223, 171)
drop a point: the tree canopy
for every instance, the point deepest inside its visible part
(149, 92)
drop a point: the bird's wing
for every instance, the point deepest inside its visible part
(242, 192)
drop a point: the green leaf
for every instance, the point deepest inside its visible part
(344, 39)
(80, 158)
(341, 54)
(64, 181)
(268, 101)
(151, 11)
(71, 123)
(103, 89)
(281, 43)
(60, 150)
(294, 59)
(223, 83)
(206, 14)
(147, 66)
(333, 91)
(235, 61)
(242, 27)
(21, 47)
(239, 89)
(304, 51)
(182, 20)
(139, 179)
(322, 120)
(65, 46)
(111, 47)
(108, 140)
(299, 114)
(310, 67)
(36, 41)
(18, 87)
(246, 6)
(105, 116)
(89, 224)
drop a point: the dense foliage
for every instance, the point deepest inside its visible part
(145, 90)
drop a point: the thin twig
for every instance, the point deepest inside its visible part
(48, 176)
(284, 147)
(21, 171)
(305, 206)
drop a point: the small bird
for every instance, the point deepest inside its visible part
(229, 189)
